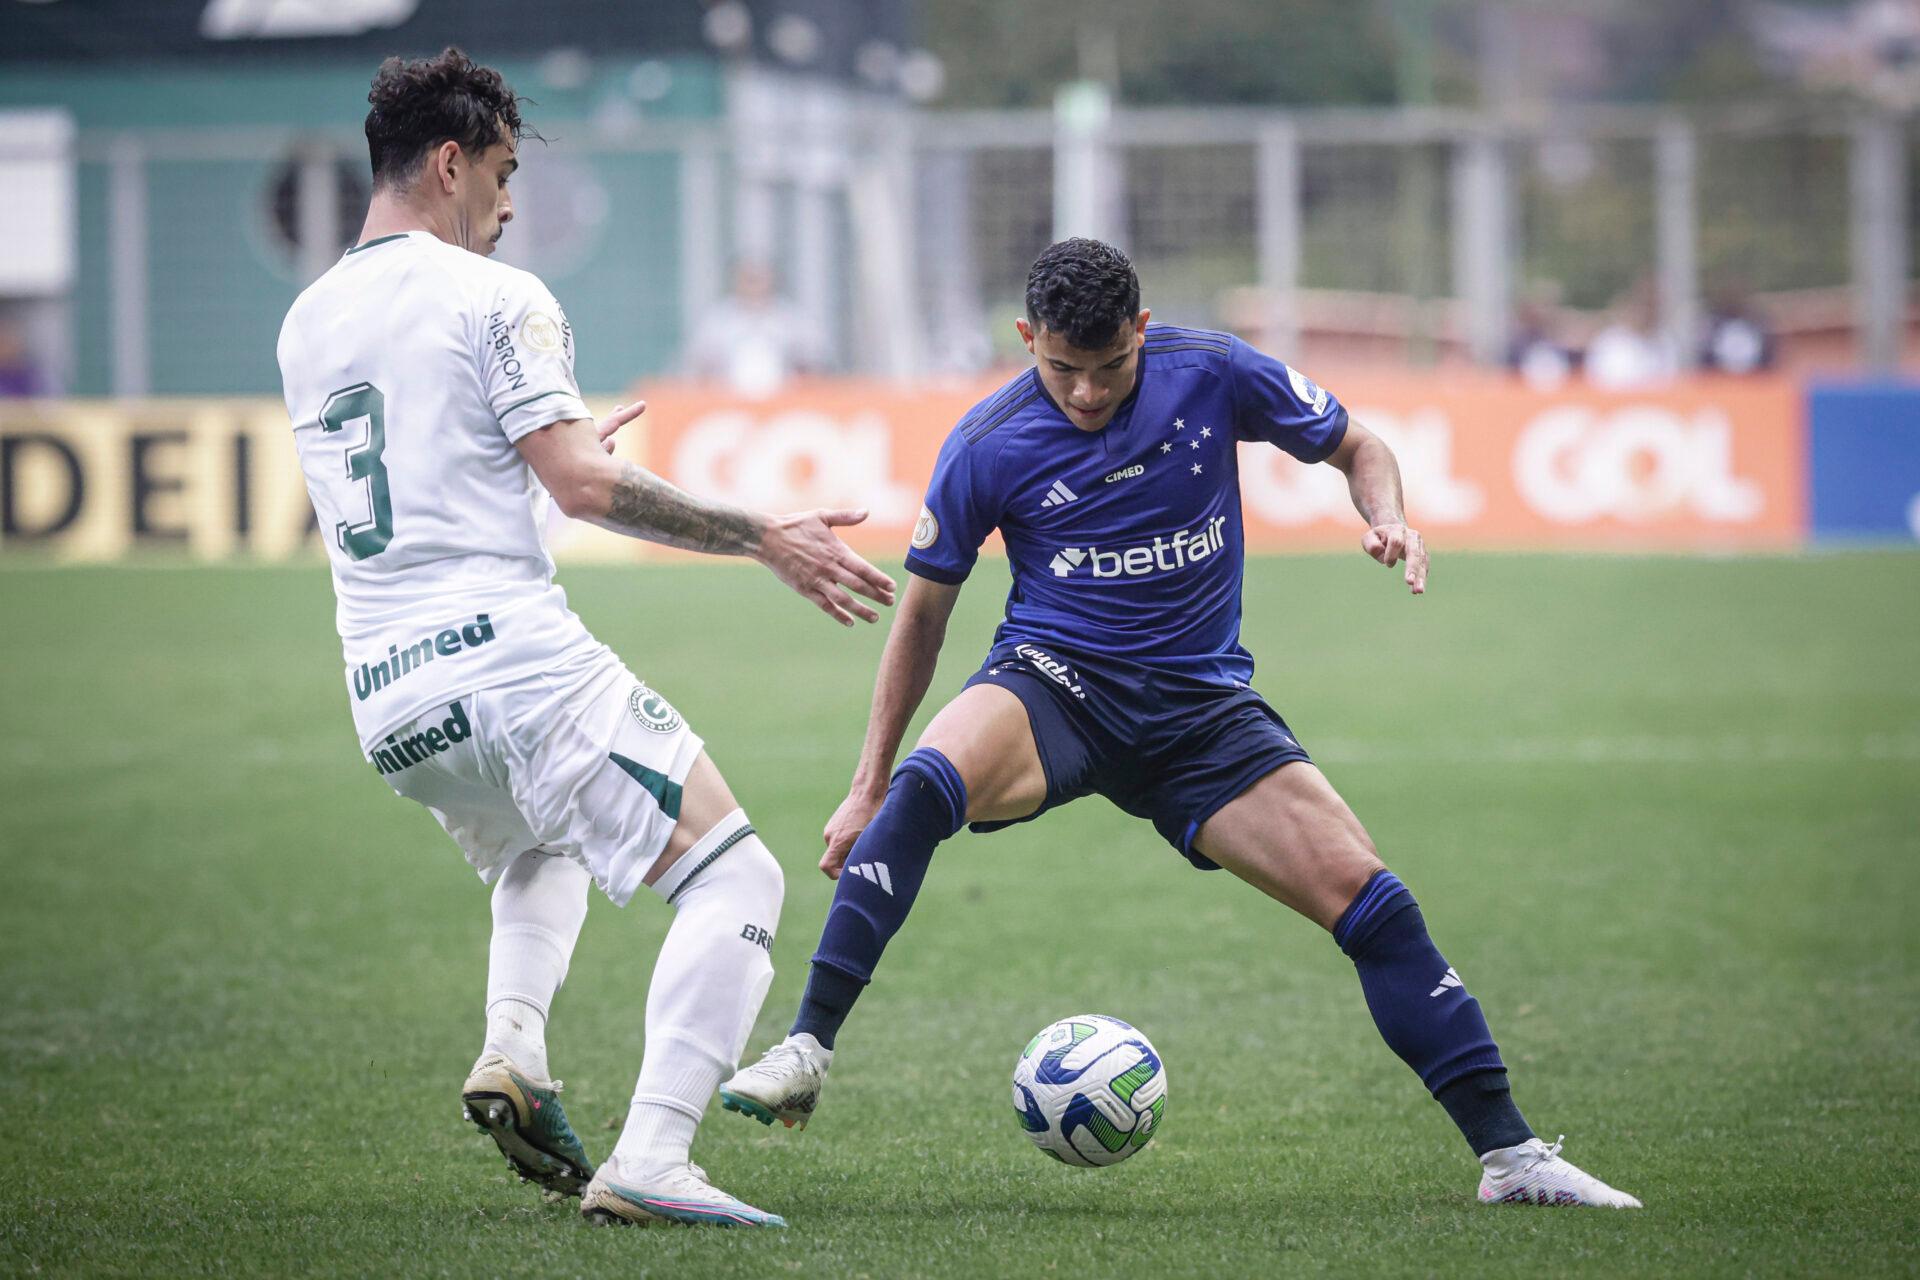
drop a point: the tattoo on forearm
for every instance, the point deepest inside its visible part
(645, 506)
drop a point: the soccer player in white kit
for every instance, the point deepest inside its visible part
(435, 410)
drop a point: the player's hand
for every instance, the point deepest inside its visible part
(804, 552)
(622, 414)
(845, 826)
(1390, 543)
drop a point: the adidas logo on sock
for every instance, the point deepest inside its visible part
(876, 873)
(1059, 495)
(1447, 983)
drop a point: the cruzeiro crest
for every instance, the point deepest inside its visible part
(653, 712)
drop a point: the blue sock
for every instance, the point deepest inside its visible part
(926, 802)
(1426, 1016)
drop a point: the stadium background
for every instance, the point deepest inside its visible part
(1710, 730)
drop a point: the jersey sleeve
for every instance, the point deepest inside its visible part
(1282, 406)
(526, 357)
(960, 511)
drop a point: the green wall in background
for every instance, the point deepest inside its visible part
(220, 280)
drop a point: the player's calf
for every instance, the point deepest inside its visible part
(926, 803)
(1426, 1015)
(708, 985)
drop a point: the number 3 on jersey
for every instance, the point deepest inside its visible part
(348, 408)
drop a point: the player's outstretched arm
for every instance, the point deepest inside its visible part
(573, 462)
(906, 670)
(1373, 480)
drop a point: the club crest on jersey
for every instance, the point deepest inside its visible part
(1314, 397)
(655, 713)
(926, 530)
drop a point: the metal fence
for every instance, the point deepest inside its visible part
(903, 238)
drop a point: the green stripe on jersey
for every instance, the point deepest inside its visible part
(530, 399)
(398, 235)
(664, 789)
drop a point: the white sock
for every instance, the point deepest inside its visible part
(708, 984)
(539, 904)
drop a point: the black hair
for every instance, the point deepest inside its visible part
(419, 103)
(1084, 291)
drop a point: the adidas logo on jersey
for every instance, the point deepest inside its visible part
(876, 873)
(1162, 555)
(1447, 983)
(1059, 495)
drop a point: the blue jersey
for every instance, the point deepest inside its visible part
(1124, 542)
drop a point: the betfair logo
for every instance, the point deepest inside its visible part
(1162, 555)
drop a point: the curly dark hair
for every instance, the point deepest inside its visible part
(1084, 291)
(419, 103)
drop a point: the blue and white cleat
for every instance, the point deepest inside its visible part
(784, 1085)
(681, 1195)
(1534, 1173)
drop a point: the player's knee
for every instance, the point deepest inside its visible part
(934, 790)
(744, 895)
(729, 862)
(759, 874)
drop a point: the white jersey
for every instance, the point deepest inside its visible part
(410, 369)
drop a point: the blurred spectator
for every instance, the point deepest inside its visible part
(754, 340)
(1539, 352)
(1736, 337)
(1630, 351)
(19, 375)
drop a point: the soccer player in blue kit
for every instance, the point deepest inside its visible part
(1109, 469)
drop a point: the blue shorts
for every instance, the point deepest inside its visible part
(1166, 747)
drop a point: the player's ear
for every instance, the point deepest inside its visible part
(1140, 324)
(446, 160)
(1026, 331)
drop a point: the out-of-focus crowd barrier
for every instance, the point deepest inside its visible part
(1706, 464)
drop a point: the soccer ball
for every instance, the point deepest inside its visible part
(1089, 1090)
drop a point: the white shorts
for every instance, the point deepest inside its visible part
(588, 763)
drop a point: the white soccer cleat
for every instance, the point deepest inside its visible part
(1534, 1173)
(784, 1085)
(682, 1195)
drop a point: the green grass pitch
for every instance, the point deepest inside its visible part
(1663, 815)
